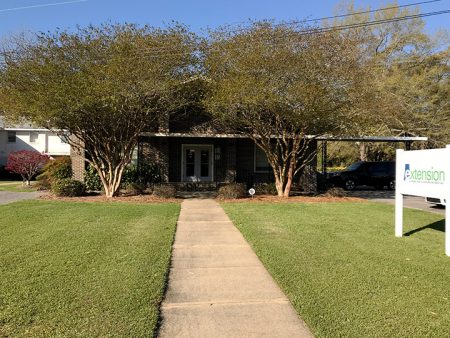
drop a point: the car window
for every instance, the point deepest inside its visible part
(354, 166)
(380, 167)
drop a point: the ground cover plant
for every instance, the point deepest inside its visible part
(345, 272)
(83, 269)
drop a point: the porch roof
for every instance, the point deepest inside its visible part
(320, 138)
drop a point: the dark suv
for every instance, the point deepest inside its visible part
(376, 174)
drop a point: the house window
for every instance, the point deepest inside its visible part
(11, 137)
(261, 163)
(33, 136)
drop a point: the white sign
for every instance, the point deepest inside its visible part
(423, 173)
(251, 191)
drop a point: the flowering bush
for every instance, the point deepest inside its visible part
(26, 163)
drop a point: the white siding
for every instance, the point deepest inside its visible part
(46, 142)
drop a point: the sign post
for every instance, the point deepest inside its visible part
(398, 195)
(423, 173)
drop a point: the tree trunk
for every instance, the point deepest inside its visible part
(290, 178)
(279, 185)
(111, 180)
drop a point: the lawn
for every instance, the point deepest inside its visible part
(83, 269)
(15, 186)
(345, 272)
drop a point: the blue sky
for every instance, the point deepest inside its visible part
(197, 14)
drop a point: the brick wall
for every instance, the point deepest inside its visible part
(78, 162)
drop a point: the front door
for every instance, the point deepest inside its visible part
(197, 163)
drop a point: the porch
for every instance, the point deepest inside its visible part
(204, 162)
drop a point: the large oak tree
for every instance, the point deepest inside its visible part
(99, 86)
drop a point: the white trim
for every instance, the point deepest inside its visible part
(26, 129)
(183, 160)
(318, 138)
(254, 162)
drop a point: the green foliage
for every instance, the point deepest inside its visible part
(134, 188)
(148, 174)
(335, 192)
(145, 175)
(232, 191)
(265, 189)
(302, 84)
(406, 81)
(92, 179)
(57, 169)
(164, 191)
(68, 188)
(109, 83)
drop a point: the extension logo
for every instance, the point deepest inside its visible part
(407, 174)
(423, 175)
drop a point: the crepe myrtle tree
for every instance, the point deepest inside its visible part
(282, 86)
(26, 163)
(102, 86)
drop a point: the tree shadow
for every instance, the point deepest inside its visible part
(439, 226)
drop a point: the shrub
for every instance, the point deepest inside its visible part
(232, 191)
(134, 188)
(57, 169)
(164, 191)
(92, 180)
(68, 187)
(130, 175)
(265, 189)
(145, 174)
(26, 163)
(335, 192)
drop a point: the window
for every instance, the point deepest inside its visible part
(261, 163)
(33, 136)
(11, 137)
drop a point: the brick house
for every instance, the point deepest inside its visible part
(192, 153)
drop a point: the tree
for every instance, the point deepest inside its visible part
(99, 87)
(406, 73)
(282, 87)
(26, 163)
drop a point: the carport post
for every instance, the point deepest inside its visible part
(398, 195)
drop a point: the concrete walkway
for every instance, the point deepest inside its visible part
(217, 285)
(11, 196)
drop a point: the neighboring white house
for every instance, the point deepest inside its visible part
(27, 137)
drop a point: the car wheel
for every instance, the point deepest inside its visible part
(391, 185)
(349, 185)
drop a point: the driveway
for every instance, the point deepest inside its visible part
(9, 196)
(388, 196)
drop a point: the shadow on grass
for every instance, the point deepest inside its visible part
(439, 226)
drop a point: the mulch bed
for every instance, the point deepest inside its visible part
(294, 199)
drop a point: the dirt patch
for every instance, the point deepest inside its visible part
(295, 199)
(104, 199)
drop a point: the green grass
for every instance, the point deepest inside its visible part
(83, 269)
(345, 272)
(15, 186)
